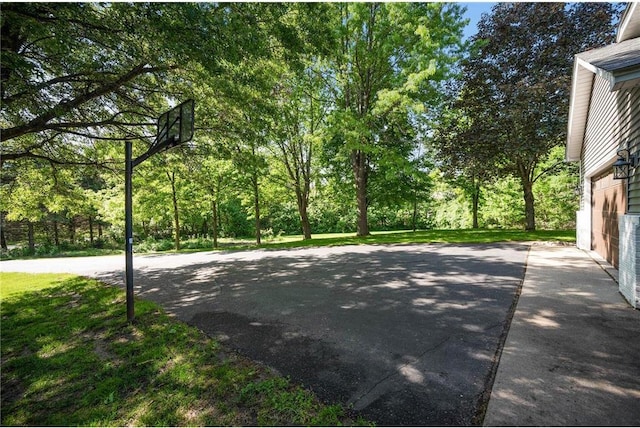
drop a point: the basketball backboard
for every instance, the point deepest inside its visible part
(176, 126)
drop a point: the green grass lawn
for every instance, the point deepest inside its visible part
(70, 358)
(12, 283)
(451, 236)
(461, 236)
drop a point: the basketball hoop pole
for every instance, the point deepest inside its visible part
(164, 141)
(128, 219)
(128, 230)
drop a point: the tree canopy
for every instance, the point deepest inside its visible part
(76, 72)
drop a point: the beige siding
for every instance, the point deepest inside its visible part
(583, 197)
(603, 131)
(614, 119)
(633, 134)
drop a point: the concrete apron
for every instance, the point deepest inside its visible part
(572, 355)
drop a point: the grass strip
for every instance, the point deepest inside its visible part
(452, 236)
(441, 236)
(70, 358)
(13, 283)
(459, 236)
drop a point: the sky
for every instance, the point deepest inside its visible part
(474, 13)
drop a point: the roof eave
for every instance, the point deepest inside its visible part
(581, 84)
(625, 79)
(629, 27)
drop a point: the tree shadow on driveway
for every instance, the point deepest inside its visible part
(405, 334)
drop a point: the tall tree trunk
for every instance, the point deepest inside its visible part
(56, 233)
(214, 209)
(359, 162)
(72, 230)
(91, 229)
(30, 237)
(176, 216)
(304, 216)
(299, 172)
(529, 204)
(303, 197)
(414, 217)
(306, 225)
(3, 239)
(475, 195)
(256, 206)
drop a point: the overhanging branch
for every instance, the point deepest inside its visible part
(551, 168)
(41, 122)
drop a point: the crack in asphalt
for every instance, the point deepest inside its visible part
(397, 372)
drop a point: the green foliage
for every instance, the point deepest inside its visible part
(513, 102)
(503, 205)
(152, 245)
(450, 210)
(288, 125)
(557, 194)
(234, 219)
(48, 249)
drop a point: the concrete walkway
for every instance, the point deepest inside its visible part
(572, 354)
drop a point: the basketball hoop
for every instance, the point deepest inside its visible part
(175, 127)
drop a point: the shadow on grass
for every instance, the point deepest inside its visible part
(70, 358)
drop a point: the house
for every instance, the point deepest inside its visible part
(603, 130)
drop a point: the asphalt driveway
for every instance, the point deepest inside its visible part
(405, 334)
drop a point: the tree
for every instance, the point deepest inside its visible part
(557, 198)
(300, 115)
(42, 189)
(214, 175)
(390, 53)
(516, 88)
(460, 159)
(398, 175)
(70, 72)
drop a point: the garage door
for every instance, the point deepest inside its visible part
(608, 200)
